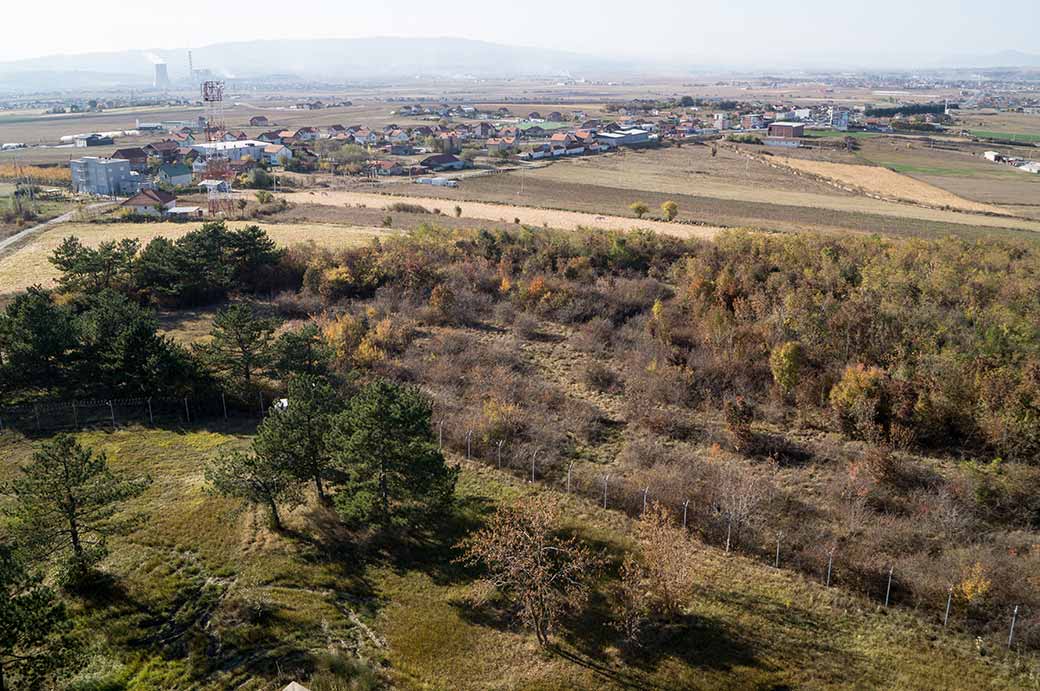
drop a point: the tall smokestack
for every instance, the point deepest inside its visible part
(162, 79)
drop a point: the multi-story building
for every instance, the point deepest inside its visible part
(105, 177)
(839, 118)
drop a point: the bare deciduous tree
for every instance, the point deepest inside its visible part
(543, 573)
(738, 494)
(659, 579)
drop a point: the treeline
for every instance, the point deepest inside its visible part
(908, 109)
(200, 267)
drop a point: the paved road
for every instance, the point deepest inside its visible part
(23, 234)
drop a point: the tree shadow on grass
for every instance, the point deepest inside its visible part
(432, 549)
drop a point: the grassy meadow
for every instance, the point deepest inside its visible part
(202, 592)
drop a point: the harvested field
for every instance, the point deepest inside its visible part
(959, 168)
(691, 169)
(29, 265)
(887, 183)
(504, 212)
(857, 214)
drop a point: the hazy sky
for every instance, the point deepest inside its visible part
(713, 32)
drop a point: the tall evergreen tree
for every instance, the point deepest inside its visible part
(241, 348)
(256, 480)
(383, 444)
(294, 438)
(121, 353)
(66, 505)
(33, 625)
(302, 352)
(36, 337)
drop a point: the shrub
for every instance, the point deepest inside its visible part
(785, 362)
(404, 207)
(526, 327)
(739, 413)
(670, 210)
(860, 402)
(601, 377)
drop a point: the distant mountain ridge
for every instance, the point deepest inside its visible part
(333, 59)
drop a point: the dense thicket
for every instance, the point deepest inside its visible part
(96, 345)
(908, 109)
(200, 267)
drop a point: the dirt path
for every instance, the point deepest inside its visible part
(528, 215)
(10, 242)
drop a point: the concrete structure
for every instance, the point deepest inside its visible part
(184, 213)
(233, 151)
(137, 156)
(787, 129)
(443, 162)
(94, 140)
(104, 177)
(631, 137)
(752, 121)
(722, 121)
(993, 156)
(277, 154)
(839, 118)
(1031, 167)
(162, 77)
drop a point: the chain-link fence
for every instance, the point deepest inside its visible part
(53, 416)
(732, 531)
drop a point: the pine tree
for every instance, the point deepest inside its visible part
(394, 470)
(294, 438)
(254, 479)
(33, 625)
(66, 505)
(241, 348)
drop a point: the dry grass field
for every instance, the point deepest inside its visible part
(889, 184)
(1007, 123)
(29, 264)
(565, 186)
(961, 169)
(500, 212)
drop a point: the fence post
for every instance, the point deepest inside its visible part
(469, 439)
(779, 536)
(260, 395)
(151, 418)
(534, 457)
(75, 416)
(830, 566)
(949, 601)
(223, 404)
(685, 506)
(569, 469)
(729, 532)
(187, 411)
(888, 589)
(645, 492)
(606, 480)
(440, 435)
(500, 442)
(112, 410)
(1014, 618)
(36, 412)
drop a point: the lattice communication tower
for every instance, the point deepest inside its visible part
(218, 166)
